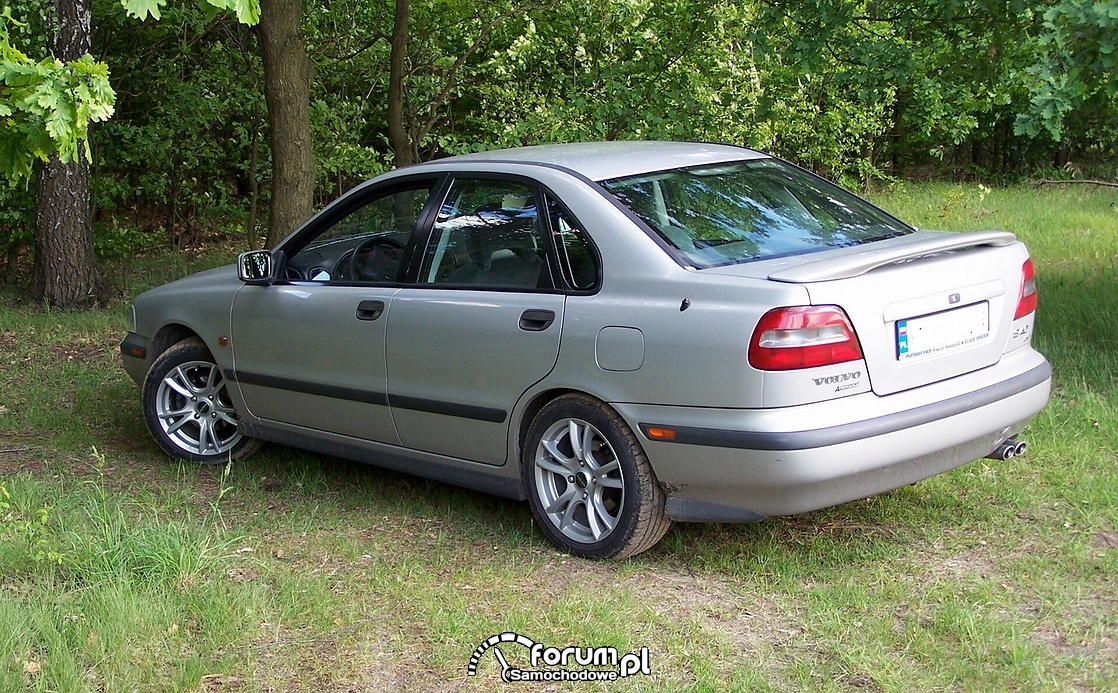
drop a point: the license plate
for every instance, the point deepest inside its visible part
(950, 330)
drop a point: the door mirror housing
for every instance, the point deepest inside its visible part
(256, 267)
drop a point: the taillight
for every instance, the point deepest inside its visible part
(803, 337)
(1026, 297)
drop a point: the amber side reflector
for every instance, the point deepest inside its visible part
(133, 350)
(660, 433)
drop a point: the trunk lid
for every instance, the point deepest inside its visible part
(926, 307)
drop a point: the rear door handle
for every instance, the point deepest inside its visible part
(370, 310)
(535, 320)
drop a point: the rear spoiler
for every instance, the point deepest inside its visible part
(854, 264)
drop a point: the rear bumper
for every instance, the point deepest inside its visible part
(742, 465)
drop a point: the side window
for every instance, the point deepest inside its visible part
(576, 254)
(487, 234)
(367, 244)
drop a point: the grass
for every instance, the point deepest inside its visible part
(120, 570)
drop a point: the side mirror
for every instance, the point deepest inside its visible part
(255, 267)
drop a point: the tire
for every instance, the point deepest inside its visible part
(188, 410)
(601, 503)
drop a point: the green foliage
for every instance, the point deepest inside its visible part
(594, 71)
(1077, 67)
(30, 529)
(176, 157)
(17, 216)
(46, 106)
(855, 90)
(246, 11)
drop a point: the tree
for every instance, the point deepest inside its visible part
(287, 87)
(46, 111)
(402, 148)
(66, 271)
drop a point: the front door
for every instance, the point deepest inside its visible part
(309, 351)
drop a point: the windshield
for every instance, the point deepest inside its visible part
(731, 213)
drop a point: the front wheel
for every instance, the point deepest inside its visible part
(188, 410)
(590, 485)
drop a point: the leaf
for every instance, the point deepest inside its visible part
(247, 11)
(141, 9)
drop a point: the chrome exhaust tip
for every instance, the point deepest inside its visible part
(1007, 450)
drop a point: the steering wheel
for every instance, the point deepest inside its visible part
(375, 260)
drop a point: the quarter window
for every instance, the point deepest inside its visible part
(576, 254)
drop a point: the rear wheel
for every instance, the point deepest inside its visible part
(591, 487)
(188, 409)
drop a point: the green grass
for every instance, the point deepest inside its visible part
(121, 570)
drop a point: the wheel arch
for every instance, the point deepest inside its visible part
(168, 336)
(535, 404)
(528, 415)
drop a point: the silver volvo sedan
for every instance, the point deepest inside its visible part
(623, 334)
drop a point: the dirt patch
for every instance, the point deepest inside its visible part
(18, 455)
(748, 623)
(97, 350)
(1107, 541)
(1089, 631)
(977, 563)
(973, 563)
(357, 658)
(85, 351)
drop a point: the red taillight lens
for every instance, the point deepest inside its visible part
(1026, 297)
(803, 337)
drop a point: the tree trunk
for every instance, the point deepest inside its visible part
(397, 132)
(287, 88)
(66, 271)
(251, 238)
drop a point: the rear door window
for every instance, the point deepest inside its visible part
(487, 235)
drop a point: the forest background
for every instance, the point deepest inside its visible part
(225, 119)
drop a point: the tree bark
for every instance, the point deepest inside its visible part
(287, 89)
(397, 132)
(66, 272)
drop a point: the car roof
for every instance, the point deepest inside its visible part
(606, 160)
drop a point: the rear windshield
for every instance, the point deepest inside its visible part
(731, 213)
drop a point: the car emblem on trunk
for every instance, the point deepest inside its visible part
(954, 298)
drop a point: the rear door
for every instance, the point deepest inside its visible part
(480, 325)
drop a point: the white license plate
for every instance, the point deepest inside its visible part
(943, 332)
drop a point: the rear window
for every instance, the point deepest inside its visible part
(731, 213)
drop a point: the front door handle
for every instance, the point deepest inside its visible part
(370, 310)
(535, 320)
